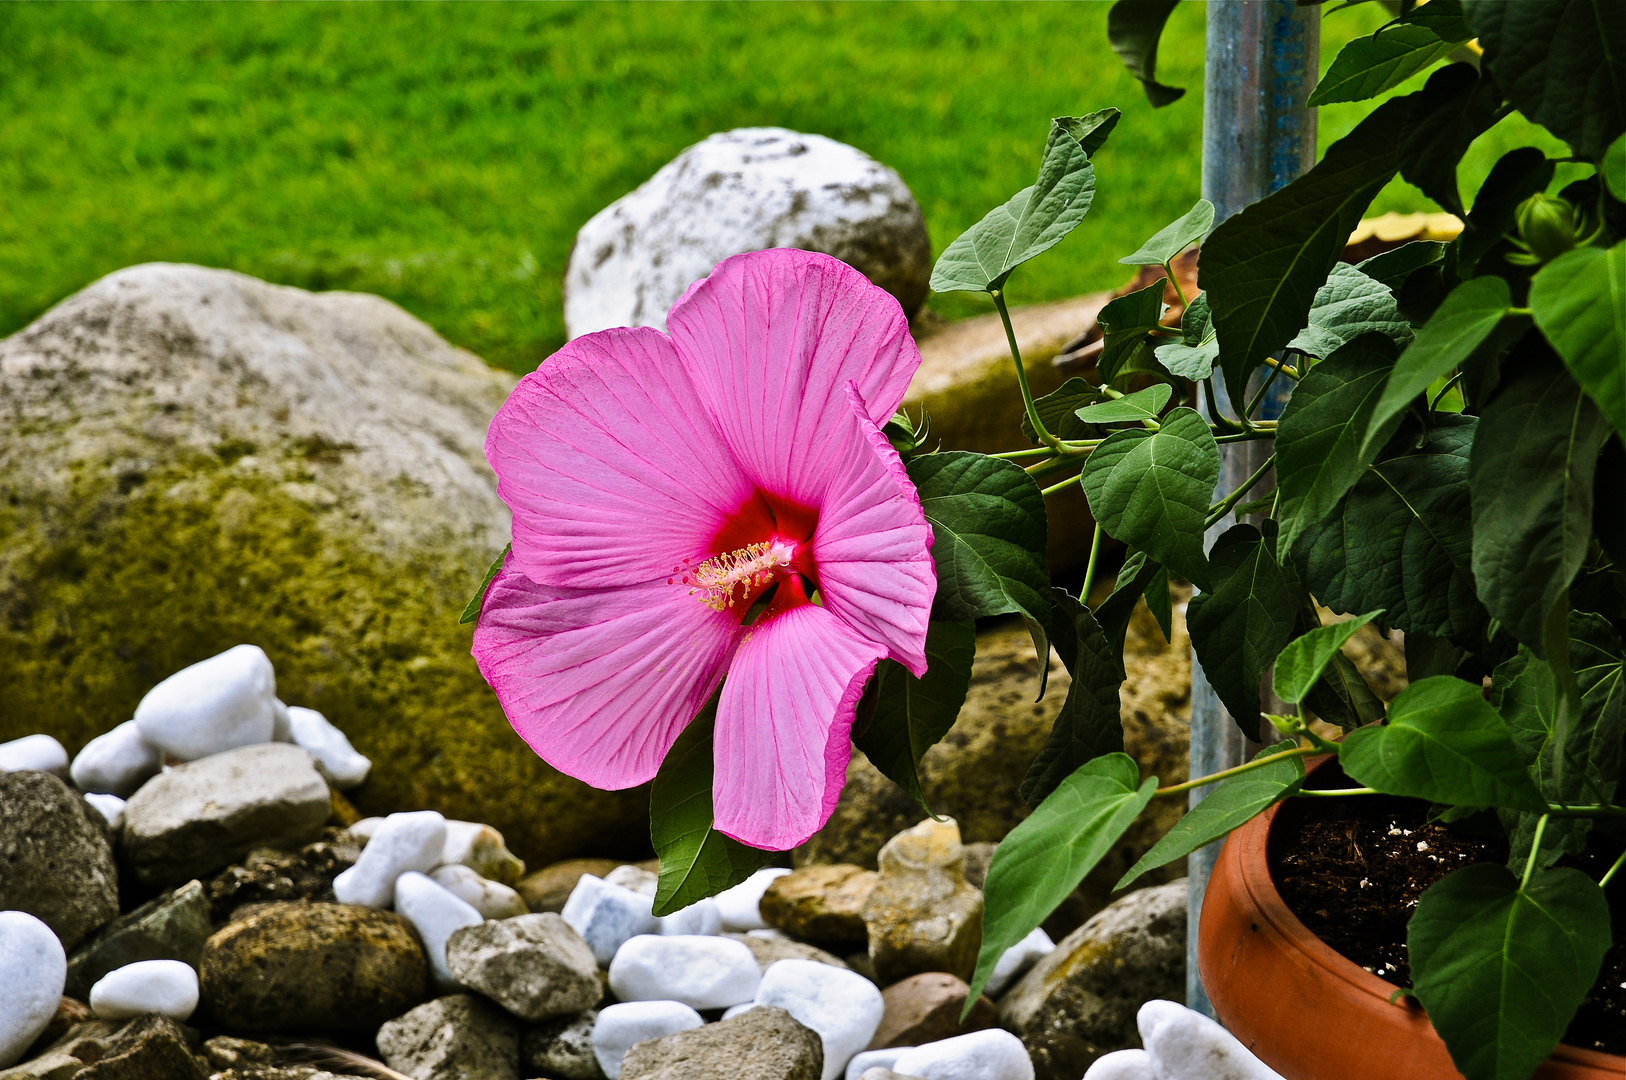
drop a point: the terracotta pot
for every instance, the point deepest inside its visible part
(1307, 1011)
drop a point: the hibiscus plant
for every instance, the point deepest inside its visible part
(734, 560)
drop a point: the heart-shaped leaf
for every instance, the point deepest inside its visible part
(1174, 237)
(1131, 408)
(1088, 725)
(1239, 627)
(1193, 356)
(1125, 322)
(1303, 659)
(1348, 305)
(1058, 410)
(1368, 66)
(912, 715)
(1579, 301)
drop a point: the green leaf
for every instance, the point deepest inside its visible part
(1089, 724)
(1234, 802)
(1446, 342)
(1174, 237)
(1034, 219)
(1318, 440)
(1159, 603)
(1303, 659)
(1239, 626)
(1444, 17)
(1613, 168)
(1151, 489)
(1044, 858)
(1136, 577)
(1263, 267)
(477, 601)
(1562, 63)
(1125, 323)
(1502, 968)
(696, 860)
(1531, 476)
(912, 715)
(1348, 305)
(988, 523)
(1342, 697)
(1368, 66)
(1058, 409)
(1133, 28)
(1515, 177)
(1579, 302)
(1451, 111)
(1401, 539)
(1193, 356)
(1091, 129)
(1131, 408)
(1394, 267)
(1442, 742)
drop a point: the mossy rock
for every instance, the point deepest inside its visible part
(194, 458)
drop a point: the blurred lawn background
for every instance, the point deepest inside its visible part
(444, 155)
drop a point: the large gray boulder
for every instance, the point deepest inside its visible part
(744, 190)
(192, 458)
(56, 859)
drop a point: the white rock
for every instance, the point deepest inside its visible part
(110, 806)
(734, 1010)
(434, 913)
(409, 841)
(33, 971)
(702, 972)
(328, 745)
(737, 191)
(700, 917)
(982, 1055)
(363, 830)
(282, 723)
(492, 899)
(168, 987)
(116, 763)
(619, 1027)
(1186, 1045)
(635, 878)
(739, 904)
(842, 1006)
(1124, 1065)
(607, 915)
(219, 704)
(1018, 958)
(37, 753)
(874, 1059)
(483, 850)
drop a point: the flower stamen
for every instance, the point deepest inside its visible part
(723, 580)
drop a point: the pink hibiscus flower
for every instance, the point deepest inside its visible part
(717, 501)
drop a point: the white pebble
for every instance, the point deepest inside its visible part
(1017, 959)
(483, 850)
(1183, 1043)
(222, 703)
(167, 987)
(1124, 1065)
(410, 841)
(33, 971)
(700, 917)
(37, 753)
(363, 830)
(434, 913)
(739, 904)
(116, 763)
(282, 724)
(619, 1027)
(607, 915)
(982, 1055)
(329, 746)
(873, 1059)
(492, 899)
(635, 878)
(702, 972)
(111, 807)
(842, 1006)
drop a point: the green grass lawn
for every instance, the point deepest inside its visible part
(444, 155)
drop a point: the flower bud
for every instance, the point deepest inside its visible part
(1547, 226)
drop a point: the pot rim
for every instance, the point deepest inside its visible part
(1252, 843)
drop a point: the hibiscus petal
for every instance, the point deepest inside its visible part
(773, 338)
(783, 726)
(612, 466)
(872, 547)
(600, 682)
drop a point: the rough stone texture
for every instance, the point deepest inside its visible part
(291, 967)
(561, 1048)
(460, 1037)
(245, 462)
(150, 1048)
(922, 915)
(173, 926)
(56, 862)
(770, 950)
(764, 1043)
(737, 191)
(823, 904)
(267, 875)
(198, 817)
(551, 886)
(67, 1056)
(925, 1008)
(535, 966)
(1080, 1002)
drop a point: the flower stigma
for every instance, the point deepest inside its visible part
(723, 580)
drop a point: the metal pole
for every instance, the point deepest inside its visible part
(1258, 135)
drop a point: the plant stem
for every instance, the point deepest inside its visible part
(1089, 571)
(1037, 451)
(1168, 268)
(1275, 370)
(1604, 881)
(1022, 375)
(1339, 791)
(1248, 436)
(1214, 414)
(1055, 464)
(1597, 810)
(1286, 369)
(1063, 486)
(1223, 507)
(1256, 763)
(1535, 851)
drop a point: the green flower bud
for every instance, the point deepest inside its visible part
(1547, 226)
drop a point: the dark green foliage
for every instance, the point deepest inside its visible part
(1089, 724)
(1133, 28)
(912, 715)
(1239, 627)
